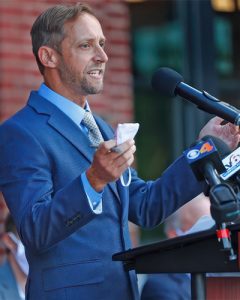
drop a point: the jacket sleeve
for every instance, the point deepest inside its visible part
(153, 201)
(43, 216)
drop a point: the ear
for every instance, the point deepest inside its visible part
(48, 57)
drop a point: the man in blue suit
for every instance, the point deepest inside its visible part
(67, 201)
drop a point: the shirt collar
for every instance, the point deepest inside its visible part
(71, 109)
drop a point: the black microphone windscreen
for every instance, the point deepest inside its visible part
(165, 81)
(222, 147)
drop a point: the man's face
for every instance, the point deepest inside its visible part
(82, 61)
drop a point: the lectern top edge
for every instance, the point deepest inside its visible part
(164, 245)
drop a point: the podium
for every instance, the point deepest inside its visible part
(197, 253)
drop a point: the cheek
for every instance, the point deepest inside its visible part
(82, 59)
(79, 64)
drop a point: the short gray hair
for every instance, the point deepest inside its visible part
(48, 29)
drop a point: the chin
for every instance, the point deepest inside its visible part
(94, 90)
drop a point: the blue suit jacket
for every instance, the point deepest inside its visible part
(68, 247)
(167, 287)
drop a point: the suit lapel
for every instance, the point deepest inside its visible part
(69, 130)
(106, 130)
(63, 124)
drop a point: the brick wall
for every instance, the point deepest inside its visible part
(19, 73)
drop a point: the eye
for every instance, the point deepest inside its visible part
(85, 46)
(102, 44)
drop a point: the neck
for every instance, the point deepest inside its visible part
(58, 87)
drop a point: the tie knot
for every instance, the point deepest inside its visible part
(89, 121)
(94, 133)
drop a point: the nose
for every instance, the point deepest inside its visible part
(100, 55)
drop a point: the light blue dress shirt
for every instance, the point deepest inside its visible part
(8, 284)
(76, 113)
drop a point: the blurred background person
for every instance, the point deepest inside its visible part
(13, 263)
(193, 216)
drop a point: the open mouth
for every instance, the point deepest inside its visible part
(96, 73)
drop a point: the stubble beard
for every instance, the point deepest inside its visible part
(79, 85)
(90, 88)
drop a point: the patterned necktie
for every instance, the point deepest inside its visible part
(94, 133)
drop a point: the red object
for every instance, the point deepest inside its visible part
(223, 233)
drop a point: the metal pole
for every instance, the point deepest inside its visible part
(198, 286)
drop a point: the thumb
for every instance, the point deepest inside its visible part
(105, 147)
(217, 120)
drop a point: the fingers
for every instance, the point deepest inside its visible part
(105, 147)
(230, 132)
(122, 157)
(108, 165)
(113, 151)
(226, 131)
(217, 120)
(125, 159)
(233, 129)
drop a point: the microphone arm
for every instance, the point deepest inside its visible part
(206, 102)
(211, 175)
(205, 162)
(224, 207)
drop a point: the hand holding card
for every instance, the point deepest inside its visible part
(123, 133)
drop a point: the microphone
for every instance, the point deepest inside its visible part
(205, 156)
(169, 83)
(232, 164)
(205, 159)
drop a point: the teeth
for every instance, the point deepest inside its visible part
(96, 72)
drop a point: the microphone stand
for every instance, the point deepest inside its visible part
(224, 210)
(224, 207)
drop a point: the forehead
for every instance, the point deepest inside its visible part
(84, 26)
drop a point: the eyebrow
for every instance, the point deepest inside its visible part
(87, 39)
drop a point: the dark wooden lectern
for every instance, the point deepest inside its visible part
(197, 253)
